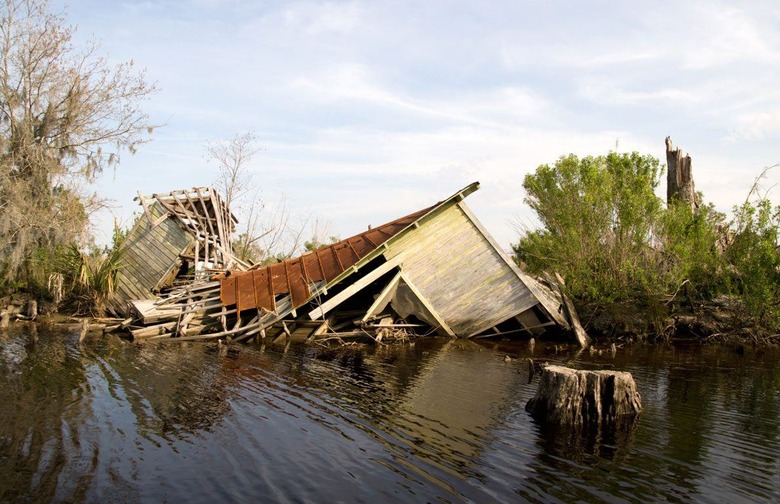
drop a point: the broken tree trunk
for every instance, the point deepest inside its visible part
(571, 397)
(679, 177)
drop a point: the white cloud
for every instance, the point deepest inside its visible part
(604, 90)
(720, 36)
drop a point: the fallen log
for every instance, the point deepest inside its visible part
(571, 397)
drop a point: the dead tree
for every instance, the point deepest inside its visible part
(679, 177)
(578, 398)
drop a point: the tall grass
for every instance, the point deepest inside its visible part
(91, 279)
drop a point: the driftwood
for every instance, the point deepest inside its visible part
(555, 287)
(679, 177)
(571, 397)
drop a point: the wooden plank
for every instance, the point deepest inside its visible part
(529, 282)
(439, 320)
(215, 205)
(170, 270)
(353, 289)
(383, 298)
(145, 207)
(461, 274)
(140, 275)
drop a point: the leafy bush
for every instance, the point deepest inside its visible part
(605, 230)
(754, 260)
(691, 259)
(598, 216)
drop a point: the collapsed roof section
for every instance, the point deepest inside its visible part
(300, 277)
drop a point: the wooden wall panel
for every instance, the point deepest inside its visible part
(459, 272)
(148, 255)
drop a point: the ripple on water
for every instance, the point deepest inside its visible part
(440, 421)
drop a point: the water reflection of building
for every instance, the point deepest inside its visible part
(170, 390)
(454, 402)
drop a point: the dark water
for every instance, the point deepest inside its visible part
(440, 421)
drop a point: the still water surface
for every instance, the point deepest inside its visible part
(439, 421)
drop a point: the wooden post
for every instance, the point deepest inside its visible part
(571, 397)
(679, 177)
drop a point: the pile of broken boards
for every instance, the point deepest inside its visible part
(435, 271)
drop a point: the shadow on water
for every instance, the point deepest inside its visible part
(436, 421)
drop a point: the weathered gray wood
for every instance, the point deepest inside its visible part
(155, 330)
(427, 308)
(460, 272)
(679, 177)
(570, 397)
(32, 309)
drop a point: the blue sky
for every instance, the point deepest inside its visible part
(369, 110)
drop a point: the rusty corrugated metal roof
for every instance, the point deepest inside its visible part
(258, 288)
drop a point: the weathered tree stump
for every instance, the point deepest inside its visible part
(679, 177)
(571, 397)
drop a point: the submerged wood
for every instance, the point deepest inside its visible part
(571, 397)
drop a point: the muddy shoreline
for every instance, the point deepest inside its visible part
(720, 321)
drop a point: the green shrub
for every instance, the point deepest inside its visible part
(605, 230)
(598, 216)
(691, 259)
(754, 260)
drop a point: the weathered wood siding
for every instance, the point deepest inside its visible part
(465, 279)
(148, 255)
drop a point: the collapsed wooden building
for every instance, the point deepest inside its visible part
(181, 238)
(435, 271)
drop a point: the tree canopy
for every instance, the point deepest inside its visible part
(66, 115)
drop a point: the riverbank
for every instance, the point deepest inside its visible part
(722, 320)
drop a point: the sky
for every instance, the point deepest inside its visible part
(366, 111)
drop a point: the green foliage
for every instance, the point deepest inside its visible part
(691, 259)
(605, 230)
(90, 278)
(315, 243)
(754, 260)
(66, 114)
(247, 248)
(597, 215)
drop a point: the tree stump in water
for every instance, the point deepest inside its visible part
(571, 397)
